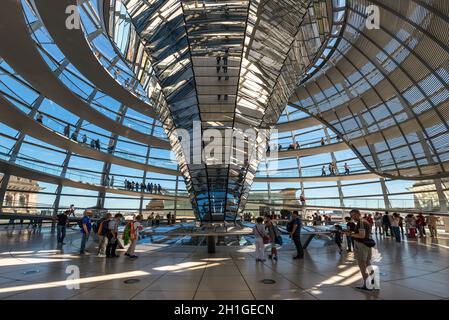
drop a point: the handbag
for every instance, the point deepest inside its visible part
(265, 239)
(369, 242)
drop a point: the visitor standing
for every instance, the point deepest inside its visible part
(350, 227)
(346, 168)
(151, 219)
(102, 233)
(67, 130)
(370, 219)
(401, 225)
(86, 227)
(295, 234)
(134, 228)
(274, 235)
(432, 221)
(338, 236)
(39, 117)
(410, 226)
(386, 223)
(362, 245)
(113, 235)
(61, 226)
(395, 227)
(420, 224)
(378, 223)
(169, 218)
(260, 237)
(302, 198)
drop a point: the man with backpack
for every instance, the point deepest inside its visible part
(131, 234)
(102, 233)
(362, 245)
(112, 234)
(294, 227)
(86, 226)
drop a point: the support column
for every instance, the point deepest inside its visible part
(441, 196)
(6, 177)
(385, 193)
(59, 189)
(176, 194)
(3, 186)
(334, 160)
(107, 165)
(377, 162)
(144, 178)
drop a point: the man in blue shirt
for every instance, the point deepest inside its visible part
(85, 230)
(295, 234)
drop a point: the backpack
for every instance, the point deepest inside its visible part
(95, 226)
(129, 233)
(290, 226)
(102, 227)
(80, 223)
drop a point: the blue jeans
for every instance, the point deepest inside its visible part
(61, 233)
(297, 241)
(396, 232)
(350, 242)
(84, 239)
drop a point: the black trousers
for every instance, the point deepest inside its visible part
(111, 247)
(297, 241)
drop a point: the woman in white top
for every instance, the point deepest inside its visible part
(410, 224)
(395, 227)
(259, 234)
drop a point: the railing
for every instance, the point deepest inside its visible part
(59, 127)
(71, 174)
(308, 172)
(304, 144)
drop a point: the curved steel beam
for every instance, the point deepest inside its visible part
(74, 45)
(20, 52)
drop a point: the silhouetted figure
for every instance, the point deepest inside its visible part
(39, 117)
(67, 130)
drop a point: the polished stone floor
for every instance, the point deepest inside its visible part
(31, 267)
